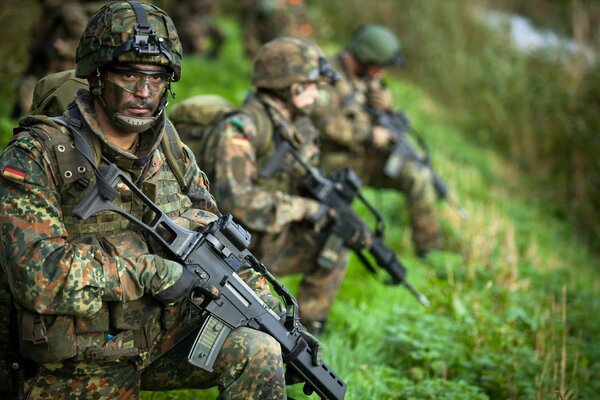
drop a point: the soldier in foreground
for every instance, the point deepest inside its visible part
(282, 221)
(351, 136)
(99, 311)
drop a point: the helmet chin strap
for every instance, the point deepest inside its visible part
(132, 124)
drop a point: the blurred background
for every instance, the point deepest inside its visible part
(522, 77)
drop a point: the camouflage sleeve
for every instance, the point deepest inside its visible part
(341, 120)
(261, 287)
(46, 272)
(236, 182)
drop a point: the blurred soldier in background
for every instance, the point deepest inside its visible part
(265, 20)
(283, 223)
(352, 138)
(197, 30)
(54, 40)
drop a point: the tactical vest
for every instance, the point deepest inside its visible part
(135, 324)
(270, 131)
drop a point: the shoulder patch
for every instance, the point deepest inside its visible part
(14, 174)
(240, 141)
(25, 143)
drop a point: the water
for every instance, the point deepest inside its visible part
(525, 36)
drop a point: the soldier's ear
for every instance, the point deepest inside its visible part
(297, 89)
(95, 80)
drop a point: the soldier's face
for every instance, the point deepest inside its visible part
(135, 89)
(375, 71)
(304, 95)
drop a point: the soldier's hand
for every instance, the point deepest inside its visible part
(181, 288)
(382, 137)
(315, 345)
(380, 97)
(361, 239)
(321, 217)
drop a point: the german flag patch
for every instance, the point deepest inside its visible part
(240, 141)
(13, 174)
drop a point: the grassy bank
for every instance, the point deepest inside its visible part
(512, 294)
(539, 112)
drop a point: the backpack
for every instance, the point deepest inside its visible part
(196, 115)
(54, 92)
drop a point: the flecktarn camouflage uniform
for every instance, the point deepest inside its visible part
(272, 209)
(347, 142)
(232, 152)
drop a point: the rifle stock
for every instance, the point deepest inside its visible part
(215, 255)
(347, 229)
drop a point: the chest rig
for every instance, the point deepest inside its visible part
(119, 329)
(272, 130)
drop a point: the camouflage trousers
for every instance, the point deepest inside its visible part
(414, 181)
(295, 251)
(249, 366)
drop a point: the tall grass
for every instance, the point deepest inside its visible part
(511, 296)
(540, 113)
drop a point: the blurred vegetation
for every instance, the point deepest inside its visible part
(515, 293)
(540, 112)
(512, 295)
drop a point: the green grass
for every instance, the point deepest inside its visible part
(514, 295)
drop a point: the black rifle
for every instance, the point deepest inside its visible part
(398, 123)
(215, 255)
(347, 229)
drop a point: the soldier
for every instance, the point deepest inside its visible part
(54, 40)
(350, 138)
(198, 32)
(265, 20)
(282, 222)
(98, 310)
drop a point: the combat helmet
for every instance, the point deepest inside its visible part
(376, 44)
(286, 60)
(129, 32)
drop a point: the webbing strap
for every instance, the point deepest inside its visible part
(107, 192)
(170, 143)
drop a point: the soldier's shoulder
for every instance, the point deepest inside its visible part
(41, 127)
(241, 123)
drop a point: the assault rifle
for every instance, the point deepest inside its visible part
(215, 255)
(398, 123)
(347, 229)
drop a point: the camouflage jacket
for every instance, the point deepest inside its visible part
(86, 278)
(341, 115)
(236, 151)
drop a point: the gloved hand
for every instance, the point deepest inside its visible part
(380, 97)
(291, 376)
(181, 288)
(382, 137)
(315, 345)
(361, 239)
(321, 217)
